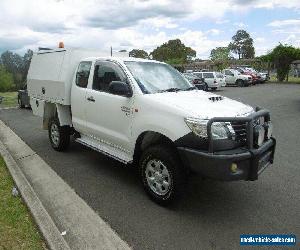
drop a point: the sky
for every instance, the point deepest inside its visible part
(146, 24)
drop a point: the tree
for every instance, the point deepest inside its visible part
(282, 56)
(17, 65)
(220, 54)
(242, 45)
(13, 63)
(139, 53)
(26, 63)
(173, 52)
(6, 80)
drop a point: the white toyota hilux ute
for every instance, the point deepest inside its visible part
(145, 113)
(234, 77)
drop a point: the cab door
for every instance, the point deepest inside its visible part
(78, 96)
(229, 77)
(109, 116)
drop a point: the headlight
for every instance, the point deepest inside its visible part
(259, 135)
(199, 127)
(219, 130)
(270, 129)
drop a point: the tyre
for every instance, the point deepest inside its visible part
(240, 83)
(161, 173)
(59, 136)
(205, 87)
(21, 105)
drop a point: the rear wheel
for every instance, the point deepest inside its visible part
(21, 105)
(162, 175)
(59, 136)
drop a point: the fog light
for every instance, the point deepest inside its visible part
(233, 168)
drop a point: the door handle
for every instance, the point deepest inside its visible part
(91, 99)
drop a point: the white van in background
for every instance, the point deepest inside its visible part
(213, 80)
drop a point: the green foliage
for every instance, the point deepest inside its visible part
(282, 56)
(220, 53)
(6, 80)
(17, 65)
(173, 51)
(242, 45)
(10, 100)
(139, 53)
(222, 65)
(17, 228)
(175, 61)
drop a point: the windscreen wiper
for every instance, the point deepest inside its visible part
(170, 90)
(190, 88)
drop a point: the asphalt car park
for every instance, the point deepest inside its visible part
(213, 214)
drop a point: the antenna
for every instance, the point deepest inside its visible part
(110, 50)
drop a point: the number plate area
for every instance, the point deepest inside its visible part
(264, 161)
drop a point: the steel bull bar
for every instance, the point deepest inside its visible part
(258, 154)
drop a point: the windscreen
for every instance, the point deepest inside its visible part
(208, 75)
(155, 77)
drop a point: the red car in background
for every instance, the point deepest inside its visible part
(256, 78)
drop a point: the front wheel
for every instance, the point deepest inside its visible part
(240, 83)
(205, 87)
(162, 175)
(59, 136)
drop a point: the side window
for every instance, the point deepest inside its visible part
(199, 75)
(83, 73)
(105, 73)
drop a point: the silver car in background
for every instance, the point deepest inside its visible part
(213, 80)
(192, 78)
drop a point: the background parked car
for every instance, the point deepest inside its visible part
(256, 78)
(222, 78)
(198, 82)
(23, 98)
(234, 77)
(213, 80)
(264, 76)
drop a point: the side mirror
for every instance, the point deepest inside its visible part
(119, 88)
(202, 80)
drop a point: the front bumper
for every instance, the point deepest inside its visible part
(217, 165)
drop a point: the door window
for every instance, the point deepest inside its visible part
(105, 73)
(198, 74)
(83, 73)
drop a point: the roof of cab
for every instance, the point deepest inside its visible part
(121, 59)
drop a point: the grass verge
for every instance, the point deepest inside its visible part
(17, 229)
(291, 79)
(10, 99)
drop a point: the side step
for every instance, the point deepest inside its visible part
(105, 148)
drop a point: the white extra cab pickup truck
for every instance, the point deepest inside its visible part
(145, 113)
